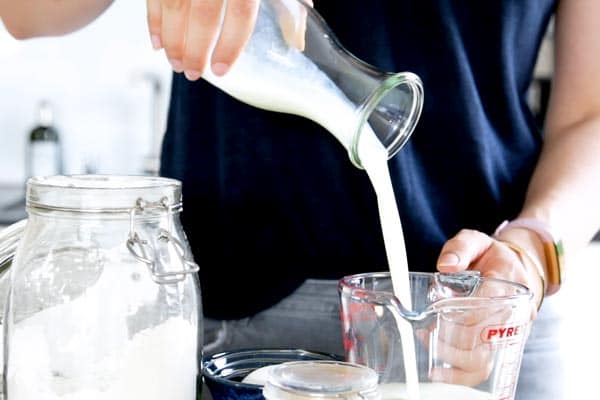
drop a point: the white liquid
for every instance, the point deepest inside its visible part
(433, 391)
(61, 354)
(282, 79)
(375, 163)
(297, 86)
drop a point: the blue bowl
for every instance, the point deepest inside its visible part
(223, 372)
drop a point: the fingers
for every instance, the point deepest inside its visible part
(503, 263)
(202, 26)
(173, 31)
(478, 251)
(238, 25)
(154, 16)
(494, 259)
(461, 366)
(457, 376)
(188, 29)
(476, 362)
(462, 250)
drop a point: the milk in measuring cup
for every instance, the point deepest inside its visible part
(433, 391)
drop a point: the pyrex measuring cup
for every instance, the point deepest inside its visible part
(469, 333)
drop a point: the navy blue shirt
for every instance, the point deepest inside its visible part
(272, 199)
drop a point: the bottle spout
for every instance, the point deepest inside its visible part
(391, 111)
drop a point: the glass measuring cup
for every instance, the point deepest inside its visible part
(294, 64)
(469, 333)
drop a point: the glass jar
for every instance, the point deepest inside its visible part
(104, 296)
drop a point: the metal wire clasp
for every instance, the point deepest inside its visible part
(143, 251)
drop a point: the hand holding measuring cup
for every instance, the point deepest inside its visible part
(468, 356)
(474, 250)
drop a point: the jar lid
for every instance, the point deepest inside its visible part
(102, 193)
(323, 379)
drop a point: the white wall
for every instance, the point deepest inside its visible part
(94, 78)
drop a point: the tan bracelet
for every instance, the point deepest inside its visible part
(524, 255)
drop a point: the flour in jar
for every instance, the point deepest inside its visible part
(104, 347)
(156, 364)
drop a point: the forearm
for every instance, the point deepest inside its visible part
(565, 189)
(30, 18)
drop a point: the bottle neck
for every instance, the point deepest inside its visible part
(391, 112)
(45, 117)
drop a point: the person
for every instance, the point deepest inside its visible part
(276, 213)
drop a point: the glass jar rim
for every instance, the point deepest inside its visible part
(102, 193)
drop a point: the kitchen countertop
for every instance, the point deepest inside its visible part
(12, 204)
(578, 304)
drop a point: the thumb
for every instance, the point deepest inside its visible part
(460, 251)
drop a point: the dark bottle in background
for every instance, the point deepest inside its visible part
(44, 152)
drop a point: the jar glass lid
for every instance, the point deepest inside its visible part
(323, 379)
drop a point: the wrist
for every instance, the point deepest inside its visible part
(534, 269)
(540, 243)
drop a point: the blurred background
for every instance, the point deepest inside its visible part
(108, 91)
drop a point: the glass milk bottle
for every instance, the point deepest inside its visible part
(104, 300)
(294, 64)
(44, 152)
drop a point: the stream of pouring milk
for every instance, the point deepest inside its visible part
(298, 86)
(374, 159)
